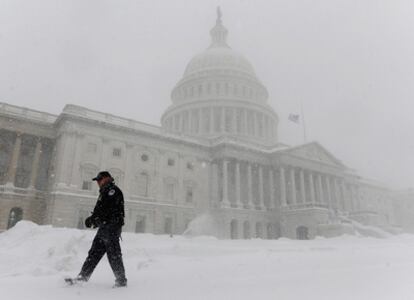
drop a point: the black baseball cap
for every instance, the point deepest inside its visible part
(101, 175)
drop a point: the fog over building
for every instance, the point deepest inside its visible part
(215, 166)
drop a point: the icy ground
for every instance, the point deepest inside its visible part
(35, 259)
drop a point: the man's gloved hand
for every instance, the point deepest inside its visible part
(89, 222)
(97, 222)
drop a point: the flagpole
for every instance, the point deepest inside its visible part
(303, 122)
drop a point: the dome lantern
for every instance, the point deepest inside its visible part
(219, 32)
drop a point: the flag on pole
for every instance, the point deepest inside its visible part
(294, 118)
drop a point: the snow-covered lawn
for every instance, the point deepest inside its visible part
(35, 259)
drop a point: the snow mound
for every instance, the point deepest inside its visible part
(41, 250)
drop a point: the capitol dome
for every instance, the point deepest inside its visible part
(220, 94)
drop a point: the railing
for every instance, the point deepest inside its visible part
(75, 110)
(305, 206)
(10, 189)
(30, 114)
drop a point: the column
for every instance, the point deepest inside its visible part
(320, 189)
(181, 118)
(312, 187)
(11, 174)
(255, 126)
(271, 189)
(292, 185)
(234, 129)
(282, 183)
(302, 186)
(336, 194)
(75, 175)
(238, 186)
(129, 172)
(211, 122)
(344, 197)
(355, 198)
(244, 125)
(249, 186)
(223, 120)
(328, 192)
(35, 164)
(190, 121)
(261, 191)
(225, 200)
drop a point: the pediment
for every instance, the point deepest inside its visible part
(314, 151)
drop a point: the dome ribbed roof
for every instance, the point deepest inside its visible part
(219, 58)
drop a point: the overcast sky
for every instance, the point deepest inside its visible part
(350, 62)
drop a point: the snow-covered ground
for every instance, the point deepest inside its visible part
(35, 259)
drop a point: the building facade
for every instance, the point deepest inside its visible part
(214, 166)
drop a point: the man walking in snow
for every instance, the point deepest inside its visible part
(108, 215)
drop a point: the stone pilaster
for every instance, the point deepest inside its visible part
(11, 174)
(35, 163)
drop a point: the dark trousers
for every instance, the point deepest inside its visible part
(105, 241)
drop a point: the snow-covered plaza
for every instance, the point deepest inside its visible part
(35, 259)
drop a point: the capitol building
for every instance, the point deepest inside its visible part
(215, 166)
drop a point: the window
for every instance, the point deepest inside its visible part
(92, 148)
(169, 191)
(143, 184)
(171, 162)
(15, 215)
(189, 194)
(87, 185)
(144, 157)
(140, 224)
(116, 152)
(88, 172)
(187, 223)
(168, 225)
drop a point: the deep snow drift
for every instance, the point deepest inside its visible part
(35, 259)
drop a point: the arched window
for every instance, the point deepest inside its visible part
(143, 184)
(270, 231)
(233, 230)
(15, 215)
(169, 189)
(259, 230)
(302, 233)
(246, 230)
(140, 224)
(89, 171)
(168, 225)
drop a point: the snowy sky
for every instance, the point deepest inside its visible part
(350, 62)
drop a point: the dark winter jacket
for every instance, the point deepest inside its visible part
(109, 209)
